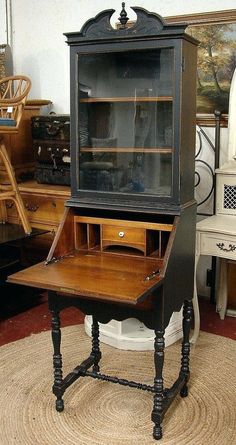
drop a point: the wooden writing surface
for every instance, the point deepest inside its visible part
(101, 277)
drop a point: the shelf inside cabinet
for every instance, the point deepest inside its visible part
(128, 99)
(127, 150)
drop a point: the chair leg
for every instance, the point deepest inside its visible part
(3, 209)
(3, 212)
(15, 191)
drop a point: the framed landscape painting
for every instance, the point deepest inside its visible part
(215, 66)
(216, 33)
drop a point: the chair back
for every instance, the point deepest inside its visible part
(13, 94)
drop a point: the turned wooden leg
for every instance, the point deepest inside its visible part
(187, 317)
(57, 359)
(95, 345)
(157, 413)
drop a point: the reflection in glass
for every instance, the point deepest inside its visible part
(125, 122)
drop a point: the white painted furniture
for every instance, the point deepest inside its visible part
(216, 236)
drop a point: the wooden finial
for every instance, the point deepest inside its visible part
(123, 16)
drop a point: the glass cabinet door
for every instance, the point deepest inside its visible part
(125, 121)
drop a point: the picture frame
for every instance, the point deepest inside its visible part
(216, 33)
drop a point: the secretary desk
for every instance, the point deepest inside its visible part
(125, 246)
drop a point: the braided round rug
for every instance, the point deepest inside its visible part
(103, 413)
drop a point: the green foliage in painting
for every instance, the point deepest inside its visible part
(216, 64)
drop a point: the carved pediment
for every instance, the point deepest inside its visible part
(100, 26)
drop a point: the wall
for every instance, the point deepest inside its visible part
(38, 44)
(3, 38)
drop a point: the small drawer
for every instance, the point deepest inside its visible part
(218, 245)
(122, 235)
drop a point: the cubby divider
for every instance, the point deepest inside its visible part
(94, 236)
(121, 237)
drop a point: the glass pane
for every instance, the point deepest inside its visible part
(125, 122)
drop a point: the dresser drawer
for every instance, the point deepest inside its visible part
(218, 245)
(46, 210)
(123, 235)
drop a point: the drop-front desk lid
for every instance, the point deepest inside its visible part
(99, 277)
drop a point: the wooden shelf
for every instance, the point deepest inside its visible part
(117, 222)
(128, 99)
(143, 150)
(35, 188)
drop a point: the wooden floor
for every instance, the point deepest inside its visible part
(24, 313)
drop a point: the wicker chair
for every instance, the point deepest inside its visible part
(13, 95)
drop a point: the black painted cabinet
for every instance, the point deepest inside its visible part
(132, 114)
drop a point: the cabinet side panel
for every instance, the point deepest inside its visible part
(188, 122)
(179, 276)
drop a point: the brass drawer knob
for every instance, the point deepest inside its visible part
(121, 234)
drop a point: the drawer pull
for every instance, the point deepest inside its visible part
(31, 207)
(231, 248)
(121, 234)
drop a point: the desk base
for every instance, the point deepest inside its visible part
(163, 397)
(133, 335)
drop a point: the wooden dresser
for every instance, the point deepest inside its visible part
(44, 204)
(45, 207)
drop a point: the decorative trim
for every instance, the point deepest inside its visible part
(123, 16)
(226, 16)
(201, 138)
(222, 247)
(147, 24)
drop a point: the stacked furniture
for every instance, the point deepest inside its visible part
(51, 141)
